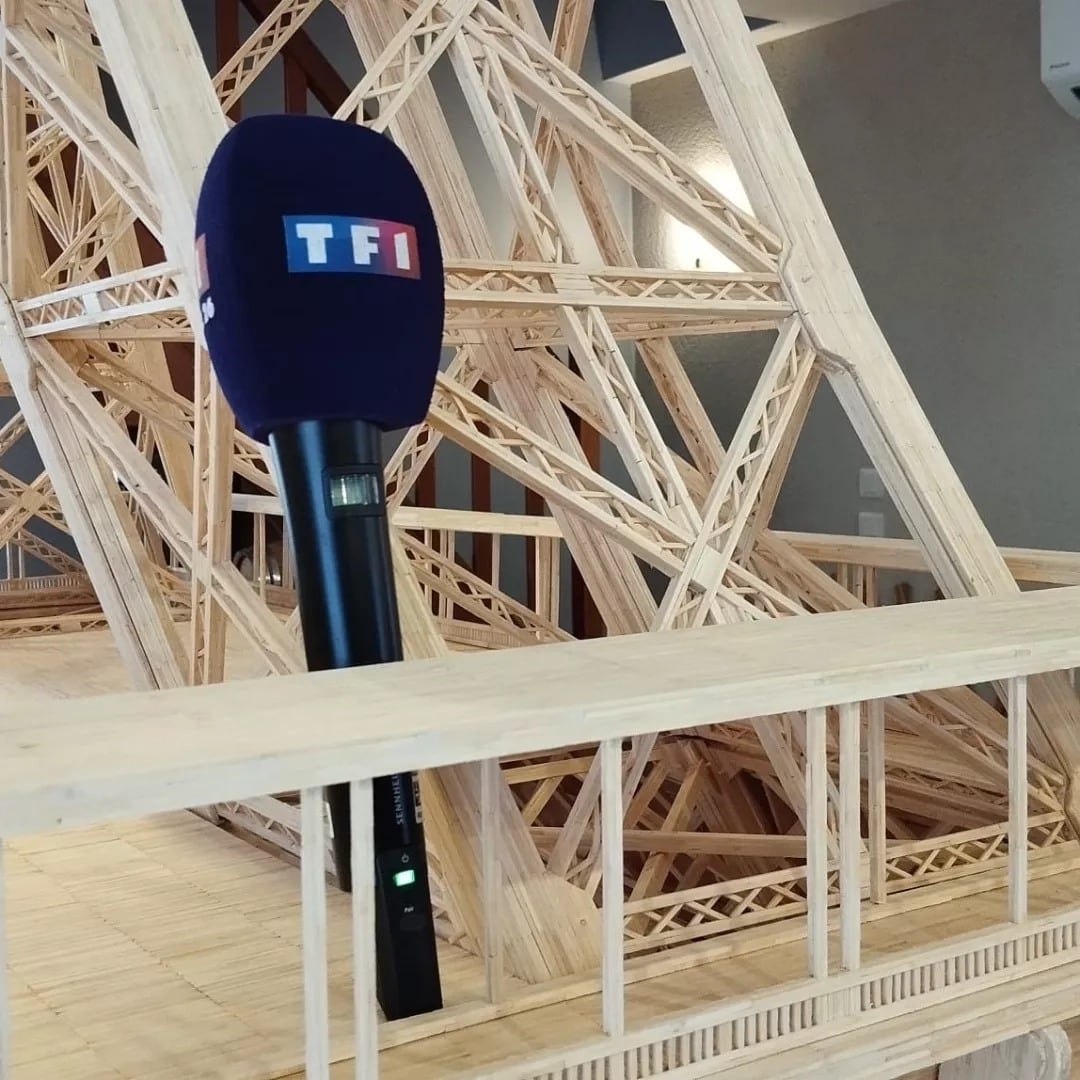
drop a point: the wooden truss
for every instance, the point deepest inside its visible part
(145, 471)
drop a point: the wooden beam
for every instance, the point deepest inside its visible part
(1018, 800)
(669, 842)
(454, 802)
(849, 817)
(326, 84)
(157, 64)
(1025, 564)
(585, 618)
(15, 221)
(365, 1002)
(612, 980)
(817, 883)
(148, 359)
(480, 499)
(876, 797)
(101, 525)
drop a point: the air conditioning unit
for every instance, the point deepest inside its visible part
(1061, 52)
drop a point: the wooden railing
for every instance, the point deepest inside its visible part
(104, 758)
(473, 611)
(869, 553)
(750, 1028)
(711, 910)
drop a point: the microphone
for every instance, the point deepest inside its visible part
(322, 294)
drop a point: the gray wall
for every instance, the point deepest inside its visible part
(953, 180)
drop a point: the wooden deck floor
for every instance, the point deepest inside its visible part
(166, 949)
(43, 669)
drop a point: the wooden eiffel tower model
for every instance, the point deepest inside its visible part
(99, 336)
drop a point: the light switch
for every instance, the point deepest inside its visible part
(871, 524)
(870, 485)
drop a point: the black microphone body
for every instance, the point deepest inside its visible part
(331, 478)
(320, 281)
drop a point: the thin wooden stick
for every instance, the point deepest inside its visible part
(365, 1004)
(447, 548)
(611, 809)
(5, 999)
(261, 564)
(875, 787)
(849, 816)
(817, 852)
(553, 557)
(1018, 801)
(313, 918)
(492, 871)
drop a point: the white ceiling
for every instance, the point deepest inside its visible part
(797, 16)
(791, 17)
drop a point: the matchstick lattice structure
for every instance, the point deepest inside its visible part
(144, 469)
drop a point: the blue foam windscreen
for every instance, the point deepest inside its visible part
(320, 275)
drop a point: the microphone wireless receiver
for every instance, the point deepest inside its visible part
(321, 288)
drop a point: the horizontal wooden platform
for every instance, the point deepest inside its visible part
(165, 949)
(101, 757)
(1034, 565)
(39, 670)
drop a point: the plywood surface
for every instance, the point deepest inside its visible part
(37, 670)
(166, 949)
(97, 757)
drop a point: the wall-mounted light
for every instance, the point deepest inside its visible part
(685, 248)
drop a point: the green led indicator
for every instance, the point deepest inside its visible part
(404, 877)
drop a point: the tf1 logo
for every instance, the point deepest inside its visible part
(350, 245)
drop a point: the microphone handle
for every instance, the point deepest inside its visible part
(330, 474)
